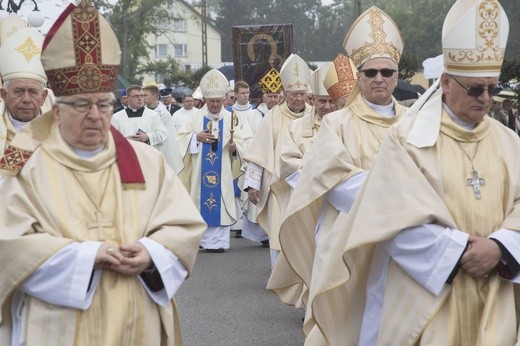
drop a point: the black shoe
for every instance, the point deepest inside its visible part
(265, 243)
(215, 250)
(238, 234)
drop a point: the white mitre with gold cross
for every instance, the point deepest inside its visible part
(20, 56)
(295, 74)
(316, 80)
(373, 35)
(474, 38)
(214, 85)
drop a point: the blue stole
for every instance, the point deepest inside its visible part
(211, 178)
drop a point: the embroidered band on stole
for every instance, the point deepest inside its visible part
(210, 187)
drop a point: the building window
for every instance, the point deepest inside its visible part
(181, 50)
(180, 25)
(161, 50)
(162, 25)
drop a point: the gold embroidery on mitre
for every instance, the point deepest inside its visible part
(487, 50)
(345, 80)
(28, 49)
(298, 84)
(379, 46)
(271, 82)
(90, 78)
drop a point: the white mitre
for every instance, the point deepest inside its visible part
(214, 85)
(474, 37)
(373, 35)
(316, 80)
(473, 43)
(11, 24)
(20, 56)
(295, 74)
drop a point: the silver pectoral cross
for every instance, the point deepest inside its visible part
(100, 224)
(476, 182)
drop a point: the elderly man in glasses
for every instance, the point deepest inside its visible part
(430, 247)
(97, 233)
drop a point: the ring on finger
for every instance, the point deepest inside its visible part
(109, 250)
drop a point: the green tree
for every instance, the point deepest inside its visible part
(133, 21)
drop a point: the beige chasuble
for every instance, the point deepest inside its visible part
(265, 150)
(294, 143)
(345, 145)
(408, 187)
(58, 198)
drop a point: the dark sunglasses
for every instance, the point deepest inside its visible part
(372, 72)
(492, 89)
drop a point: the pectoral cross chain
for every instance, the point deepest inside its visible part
(476, 182)
(100, 224)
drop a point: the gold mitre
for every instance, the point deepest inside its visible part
(295, 73)
(474, 38)
(20, 56)
(340, 78)
(11, 24)
(214, 85)
(373, 35)
(271, 83)
(81, 53)
(316, 81)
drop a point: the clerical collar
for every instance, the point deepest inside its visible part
(457, 120)
(387, 111)
(87, 154)
(134, 113)
(241, 108)
(17, 124)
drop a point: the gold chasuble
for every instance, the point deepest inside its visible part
(408, 187)
(275, 192)
(346, 144)
(58, 198)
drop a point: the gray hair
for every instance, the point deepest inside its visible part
(60, 99)
(41, 85)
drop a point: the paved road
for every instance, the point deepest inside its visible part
(225, 301)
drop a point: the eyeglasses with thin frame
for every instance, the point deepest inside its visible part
(84, 107)
(372, 72)
(492, 89)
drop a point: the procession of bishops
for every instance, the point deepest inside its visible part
(389, 223)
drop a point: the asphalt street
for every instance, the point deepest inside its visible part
(225, 301)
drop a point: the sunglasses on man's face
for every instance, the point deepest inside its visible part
(492, 89)
(372, 72)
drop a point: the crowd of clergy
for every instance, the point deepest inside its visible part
(387, 224)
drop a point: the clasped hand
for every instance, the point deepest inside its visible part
(131, 259)
(481, 257)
